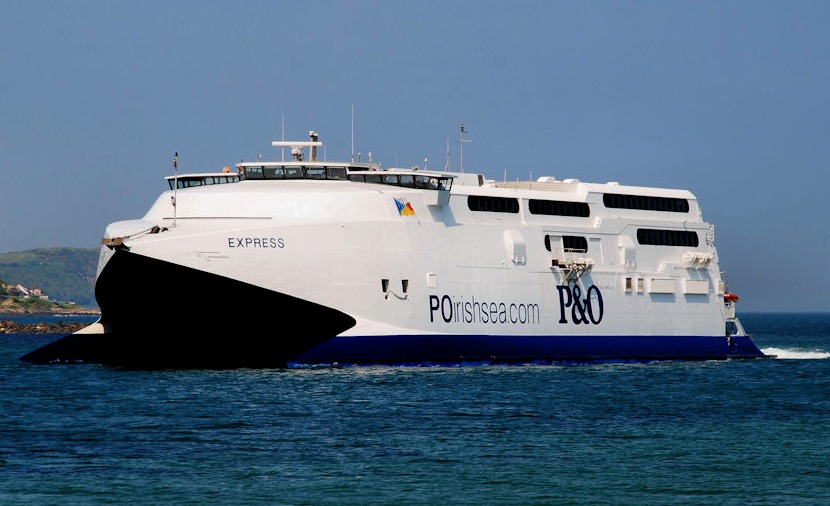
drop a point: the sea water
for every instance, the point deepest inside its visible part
(724, 432)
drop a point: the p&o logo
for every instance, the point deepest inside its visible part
(582, 310)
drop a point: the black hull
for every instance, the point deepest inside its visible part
(161, 315)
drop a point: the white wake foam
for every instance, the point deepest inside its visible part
(796, 354)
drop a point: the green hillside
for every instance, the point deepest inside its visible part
(64, 274)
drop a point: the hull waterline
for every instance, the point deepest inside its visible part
(506, 350)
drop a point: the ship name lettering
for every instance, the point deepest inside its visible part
(582, 310)
(256, 242)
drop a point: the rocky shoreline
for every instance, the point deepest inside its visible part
(10, 307)
(47, 326)
(11, 327)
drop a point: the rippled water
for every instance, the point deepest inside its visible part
(732, 432)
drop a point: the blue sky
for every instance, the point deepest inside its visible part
(729, 99)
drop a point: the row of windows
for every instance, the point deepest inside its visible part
(559, 208)
(511, 205)
(657, 237)
(189, 181)
(431, 182)
(579, 209)
(408, 180)
(492, 204)
(645, 203)
(646, 236)
(294, 173)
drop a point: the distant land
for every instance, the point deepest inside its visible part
(65, 276)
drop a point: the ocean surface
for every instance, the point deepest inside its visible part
(728, 433)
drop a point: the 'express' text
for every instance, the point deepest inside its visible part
(256, 242)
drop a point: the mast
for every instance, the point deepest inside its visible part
(175, 184)
(462, 141)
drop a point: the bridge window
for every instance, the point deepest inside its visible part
(254, 173)
(274, 173)
(315, 173)
(293, 173)
(336, 172)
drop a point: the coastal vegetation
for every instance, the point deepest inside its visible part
(16, 305)
(48, 280)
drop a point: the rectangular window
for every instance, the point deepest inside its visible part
(492, 204)
(559, 208)
(336, 172)
(657, 237)
(574, 244)
(274, 173)
(293, 173)
(570, 243)
(645, 203)
(253, 172)
(315, 173)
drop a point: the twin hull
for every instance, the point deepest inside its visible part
(323, 272)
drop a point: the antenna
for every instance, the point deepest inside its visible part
(447, 165)
(462, 141)
(282, 138)
(352, 133)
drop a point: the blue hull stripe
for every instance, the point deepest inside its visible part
(461, 349)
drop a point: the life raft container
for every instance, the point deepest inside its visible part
(730, 297)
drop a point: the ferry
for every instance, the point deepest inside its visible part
(306, 262)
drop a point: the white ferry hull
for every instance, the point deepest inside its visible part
(295, 273)
(219, 322)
